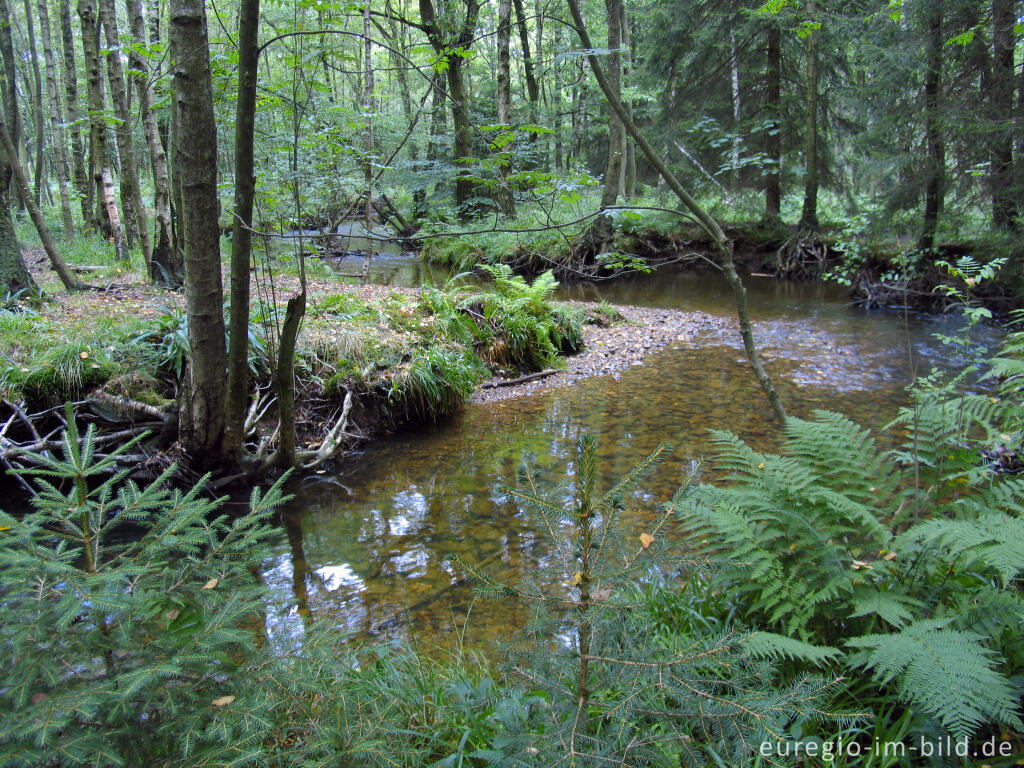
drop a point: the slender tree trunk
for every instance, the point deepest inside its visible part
(164, 268)
(98, 154)
(1004, 201)
(532, 87)
(60, 144)
(369, 109)
(616, 135)
(809, 216)
(14, 276)
(195, 156)
(628, 150)
(556, 106)
(136, 227)
(773, 133)
(10, 82)
(734, 71)
(936, 163)
(458, 93)
(722, 243)
(503, 195)
(579, 121)
(241, 230)
(36, 104)
(85, 188)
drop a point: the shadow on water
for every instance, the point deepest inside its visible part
(372, 542)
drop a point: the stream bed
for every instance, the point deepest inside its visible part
(368, 548)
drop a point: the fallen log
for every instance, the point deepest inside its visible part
(521, 380)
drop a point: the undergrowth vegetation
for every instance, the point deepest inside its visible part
(417, 356)
(832, 593)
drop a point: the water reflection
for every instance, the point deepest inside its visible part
(370, 548)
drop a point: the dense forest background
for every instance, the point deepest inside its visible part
(905, 119)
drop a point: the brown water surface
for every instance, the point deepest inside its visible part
(367, 548)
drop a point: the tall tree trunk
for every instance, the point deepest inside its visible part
(60, 144)
(164, 267)
(131, 194)
(773, 132)
(722, 243)
(1004, 201)
(98, 154)
(579, 121)
(195, 156)
(503, 195)
(458, 92)
(532, 87)
(241, 230)
(36, 104)
(14, 276)
(628, 150)
(616, 135)
(734, 80)
(936, 162)
(85, 188)
(369, 109)
(809, 215)
(556, 107)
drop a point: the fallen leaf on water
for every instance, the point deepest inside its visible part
(601, 594)
(223, 701)
(211, 584)
(576, 579)
(646, 540)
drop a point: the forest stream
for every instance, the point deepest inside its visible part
(367, 548)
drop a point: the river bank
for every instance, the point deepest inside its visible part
(379, 358)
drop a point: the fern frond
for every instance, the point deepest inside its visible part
(769, 645)
(946, 672)
(994, 540)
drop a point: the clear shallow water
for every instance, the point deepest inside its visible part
(368, 548)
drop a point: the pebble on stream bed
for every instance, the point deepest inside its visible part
(614, 348)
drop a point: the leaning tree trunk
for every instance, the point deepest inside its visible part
(165, 266)
(936, 163)
(722, 243)
(195, 155)
(241, 231)
(85, 189)
(56, 261)
(809, 215)
(131, 195)
(60, 144)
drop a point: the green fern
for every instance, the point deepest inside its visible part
(946, 672)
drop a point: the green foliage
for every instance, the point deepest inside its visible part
(945, 672)
(126, 620)
(518, 325)
(910, 559)
(618, 689)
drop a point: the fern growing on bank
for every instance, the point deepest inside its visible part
(909, 559)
